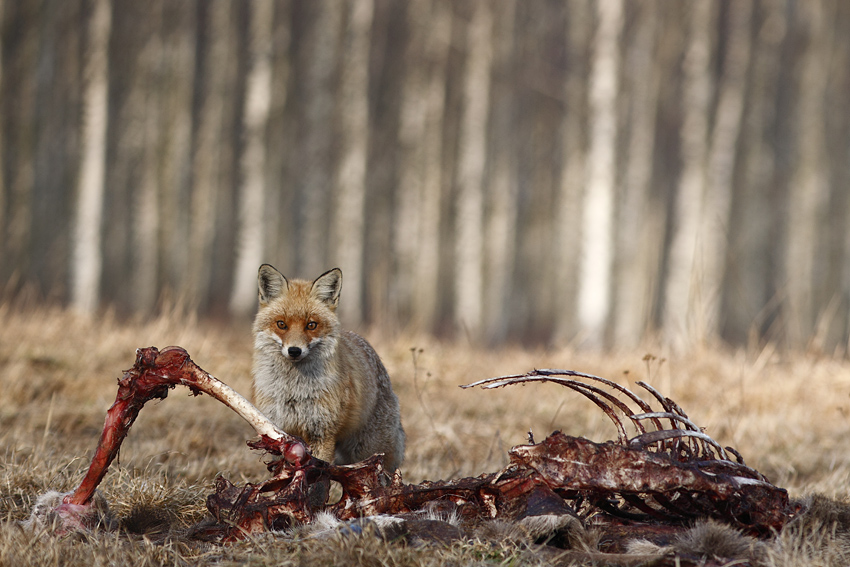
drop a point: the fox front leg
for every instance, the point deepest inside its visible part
(325, 448)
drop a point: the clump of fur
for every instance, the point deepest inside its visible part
(708, 540)
(50, 512)
(819, 534)
(713, 540)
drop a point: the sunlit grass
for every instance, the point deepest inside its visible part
(786, 413)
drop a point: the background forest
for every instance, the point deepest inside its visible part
(523, 170)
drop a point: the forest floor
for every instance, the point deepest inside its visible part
(787, 414)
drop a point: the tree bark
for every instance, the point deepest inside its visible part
(809, 189)
(4, 202)
(175, 154)
(207, 151)
(754, 220)
(570, 189)
(146, 201)
(501, 222)
(348, 216)
(315, 158)
(87, 257)
(722, 160)
(597, 242)
(417, 218)
(638, 226)
(469, 223)
(682, 283)
(250, 237)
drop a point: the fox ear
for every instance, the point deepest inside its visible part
(326, 288)
(270, 283)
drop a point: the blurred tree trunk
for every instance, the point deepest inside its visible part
(20, 38)
(831, 331)
(427, 267)
(417, 218)
(568, 232)
(809, 188)
(722, 161)
(841, 85)
(207, 156)
(250, 248)
(281, 137)
(501, 221)
(597, 241)
(4, 200)
(638, 226)
(130, 79)
(754, 219)
(466, 163)
(179, 42)
(682, 289)
(146, 200)
(348, 215)
(54, 144)
(407, 219)
(321, 52)
(469, 223)
(388, 68)
(87, 257)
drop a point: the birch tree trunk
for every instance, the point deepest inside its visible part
(179, 21)
(755, 220)
(637, 226)
(722, 160)
(349, 226)
(146, 201)
(426, 287)
(281, 140)
(568, 231)
(417, 219)
(252, 202)
(4, 202)
(597, 244)
(322, 49)
(501, 222)
(682, 285)
(86, 260)
(469, 223)
(207, 152)
(407, 220)
(809, 189)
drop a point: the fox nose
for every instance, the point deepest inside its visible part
(294, 351)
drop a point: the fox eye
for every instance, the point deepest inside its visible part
(311, 325)
(281, 325)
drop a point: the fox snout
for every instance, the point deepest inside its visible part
(295, 353)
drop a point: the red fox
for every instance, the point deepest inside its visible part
(317, 381)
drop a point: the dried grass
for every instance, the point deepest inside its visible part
(786, 413)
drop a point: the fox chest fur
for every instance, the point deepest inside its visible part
(317, 381)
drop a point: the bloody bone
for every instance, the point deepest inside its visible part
(672, 473)
(281, 502)
(653, 486)
(668, 473)
(151, 377)
(650, 487)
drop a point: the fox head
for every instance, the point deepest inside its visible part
(297, 317)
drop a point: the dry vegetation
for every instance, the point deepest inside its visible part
(787, 414)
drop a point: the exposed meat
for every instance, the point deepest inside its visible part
(667, 474)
